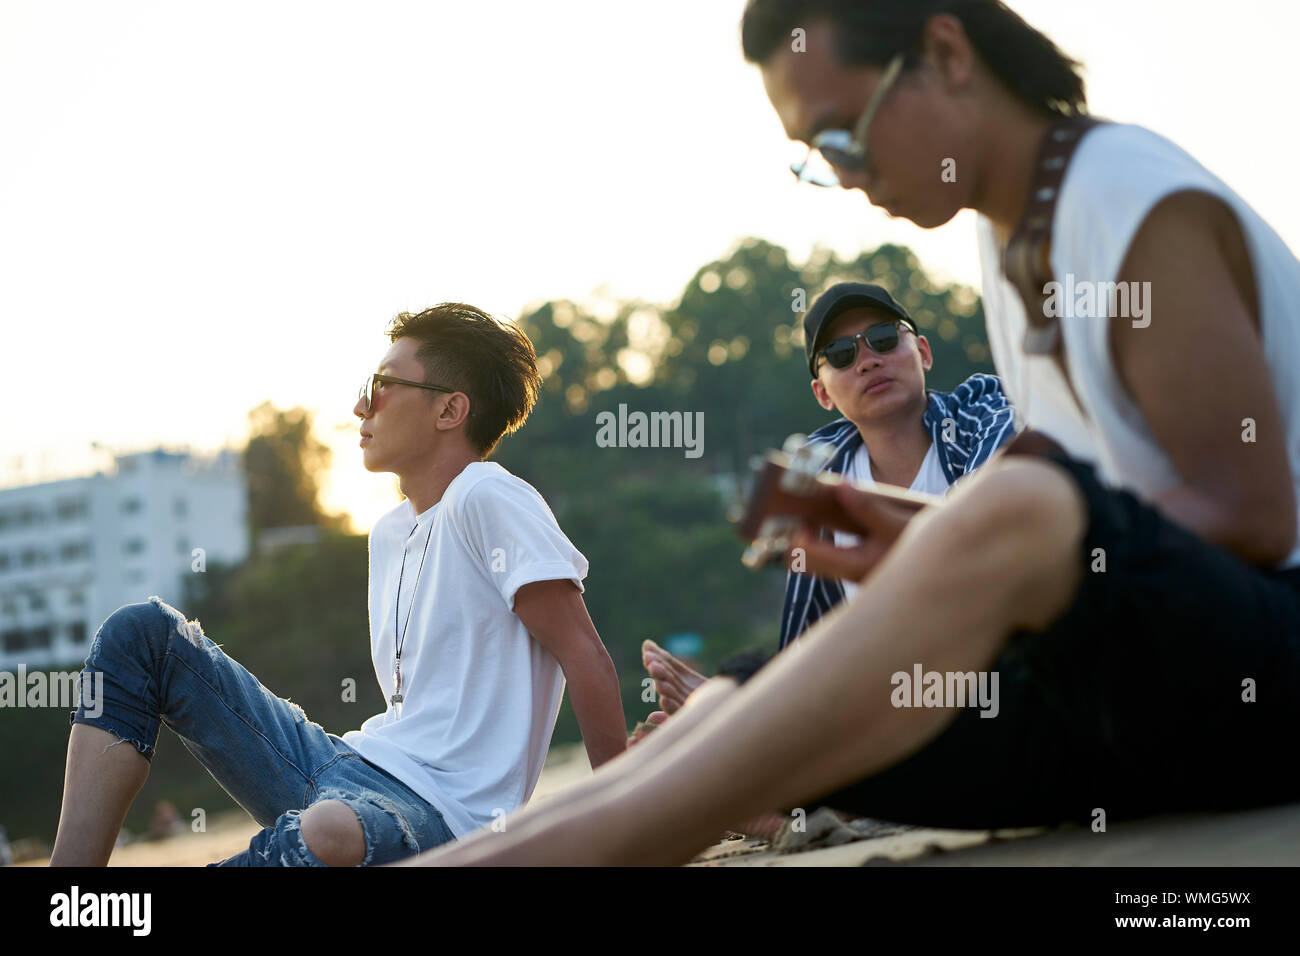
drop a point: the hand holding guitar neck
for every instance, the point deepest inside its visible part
(792, 492)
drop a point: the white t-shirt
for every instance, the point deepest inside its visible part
(481, 696)
(1118, 175)
(929, 479)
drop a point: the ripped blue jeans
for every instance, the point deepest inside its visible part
(159, 668)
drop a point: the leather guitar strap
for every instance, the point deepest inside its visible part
(1027, 261)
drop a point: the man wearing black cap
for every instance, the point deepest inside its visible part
(868, 360)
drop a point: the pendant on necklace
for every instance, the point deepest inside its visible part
(396, 699)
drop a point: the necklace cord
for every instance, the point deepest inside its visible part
(401, 641)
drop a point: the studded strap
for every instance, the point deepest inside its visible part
(1027, 260)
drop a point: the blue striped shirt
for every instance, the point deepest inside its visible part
(967, 426)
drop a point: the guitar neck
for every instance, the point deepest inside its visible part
(895, 493)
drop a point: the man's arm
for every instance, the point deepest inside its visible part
(1198, 371)
(557, 618)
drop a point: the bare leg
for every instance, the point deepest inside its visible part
(1004, 556)
(675, 682)
(609, 775)
(103, 776)
(333, 833)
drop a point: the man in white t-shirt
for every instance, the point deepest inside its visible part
(476, 623)
(498, 623)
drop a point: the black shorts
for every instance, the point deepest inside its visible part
(1132, 702)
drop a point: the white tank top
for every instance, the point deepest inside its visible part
(1117, 176)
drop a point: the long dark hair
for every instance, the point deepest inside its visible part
(872, 32)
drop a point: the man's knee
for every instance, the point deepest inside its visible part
(150, 620)
(1033, 503)
(1022, 527)
(332, 831)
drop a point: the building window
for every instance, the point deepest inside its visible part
(135, 577)
(180, 508)
(76, 599)
(31, 558)
(32, 639)
(70, 509)
(74, 551)
(134, 546)
(131, 505)
(36, 601)
(77, 633)
(4, 561)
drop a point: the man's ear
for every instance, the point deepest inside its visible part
(948, 48)
(454, 412)
(823, 397)
(927, 357)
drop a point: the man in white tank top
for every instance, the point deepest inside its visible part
(1132, 603)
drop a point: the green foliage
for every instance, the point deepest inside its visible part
(731, 347)
(652, 522)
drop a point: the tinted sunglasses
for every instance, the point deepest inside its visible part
(882, 338)
(367, 393)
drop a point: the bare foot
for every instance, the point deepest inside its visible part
(765, 826)
(642, 729)
(674, 680)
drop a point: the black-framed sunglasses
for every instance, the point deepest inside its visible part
(842, 148)
(882, 338)
(367, 393)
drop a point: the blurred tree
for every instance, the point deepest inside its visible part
(283, 465)
(652, 522)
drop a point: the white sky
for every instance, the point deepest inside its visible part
(205, 205)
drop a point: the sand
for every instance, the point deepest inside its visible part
(1264, 837)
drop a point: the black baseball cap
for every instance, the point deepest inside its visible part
(840, 298)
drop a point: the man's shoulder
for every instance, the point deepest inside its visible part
(1095, 192)
(834, 433)
(979, 390)
(483, 482)
(1112, 144)
(399, 517)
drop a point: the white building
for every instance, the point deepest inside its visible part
(74, 551)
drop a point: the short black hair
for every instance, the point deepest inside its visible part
(494, 363)
(873, 32)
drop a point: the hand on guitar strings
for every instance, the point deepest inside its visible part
(877, 522)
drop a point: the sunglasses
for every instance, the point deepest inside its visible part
(882, 338)
(367, 393)
(844, 149)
